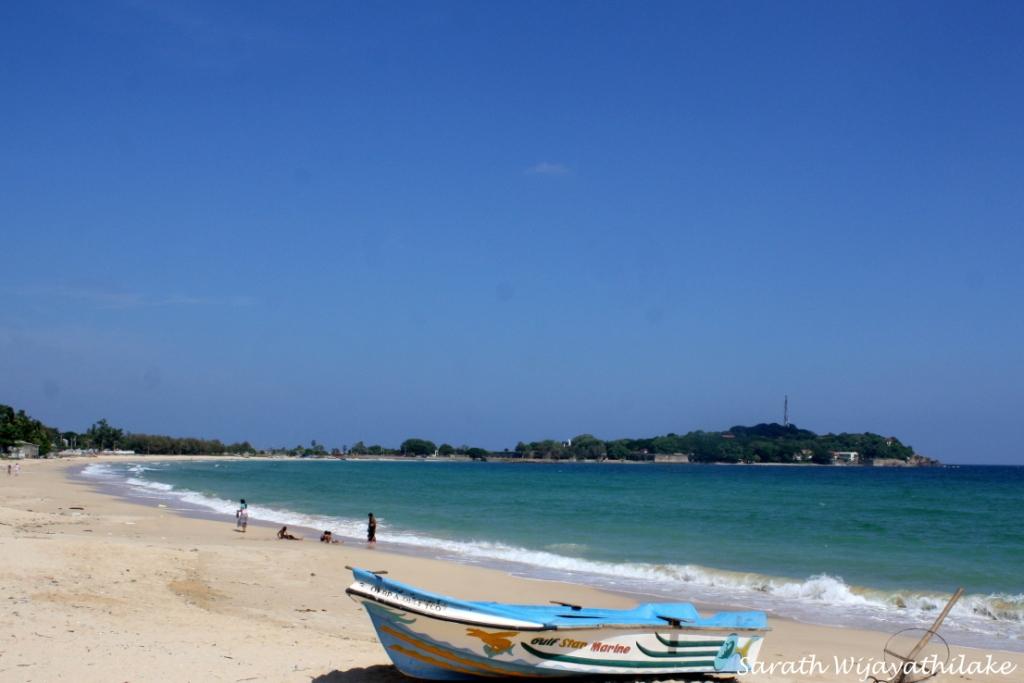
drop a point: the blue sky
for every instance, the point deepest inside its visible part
(484, 222)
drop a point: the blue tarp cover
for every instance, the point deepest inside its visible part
(554, 616)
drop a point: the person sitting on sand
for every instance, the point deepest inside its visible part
(328, 537)
(284, 535)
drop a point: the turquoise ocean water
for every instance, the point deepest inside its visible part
(873, 547)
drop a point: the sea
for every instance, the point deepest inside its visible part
(879, 548)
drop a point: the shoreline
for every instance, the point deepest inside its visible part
(501, 458)
(811, 597)
(234, 605)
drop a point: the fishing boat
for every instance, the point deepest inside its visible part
(436, 637)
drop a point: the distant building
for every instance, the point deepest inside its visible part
(803, 455)
(23, 449)
(672, 457)
(72, 453)
(845, 457)
(727, 435)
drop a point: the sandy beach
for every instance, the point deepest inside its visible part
(96, 588)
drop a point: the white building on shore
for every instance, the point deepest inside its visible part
(845, 457)
(23, 449)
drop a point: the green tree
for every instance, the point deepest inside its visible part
(588, 447)
(18, 426)
(418, 447)
(618, 450)
(101, 435)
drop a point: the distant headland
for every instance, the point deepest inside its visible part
(767, 443)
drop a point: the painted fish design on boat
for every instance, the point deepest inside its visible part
(494, 643)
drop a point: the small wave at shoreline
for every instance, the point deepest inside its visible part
(821, 598)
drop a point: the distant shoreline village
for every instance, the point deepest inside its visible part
(21, 436)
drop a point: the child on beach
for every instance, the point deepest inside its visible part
(242, 517)
(328, 537)
(371, 529)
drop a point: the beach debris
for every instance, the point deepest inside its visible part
(76, 507)
(908, 668)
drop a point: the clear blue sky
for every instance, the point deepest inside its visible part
(482, 222)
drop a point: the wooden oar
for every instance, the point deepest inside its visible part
(375, 573)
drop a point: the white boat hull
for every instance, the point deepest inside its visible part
(437, 641)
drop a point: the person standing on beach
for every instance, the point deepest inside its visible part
(371, 529)
(242, 515)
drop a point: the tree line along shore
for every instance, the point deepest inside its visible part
(768, 443)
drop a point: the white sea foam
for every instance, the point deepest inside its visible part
(819, 598)
(151, 485)
(98, 470)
